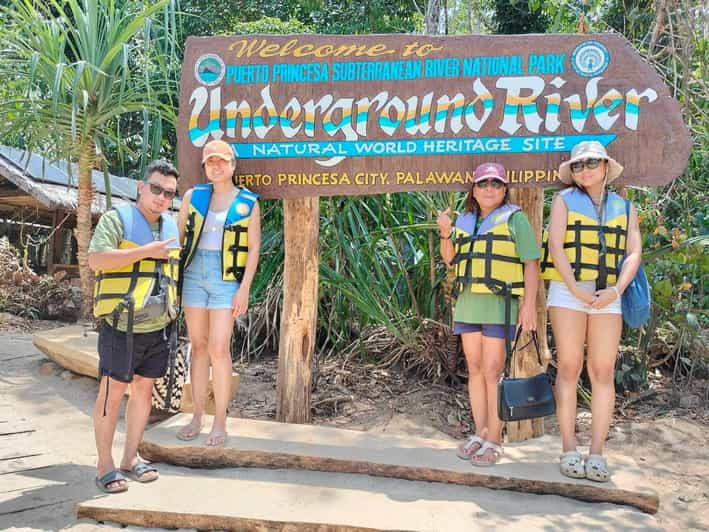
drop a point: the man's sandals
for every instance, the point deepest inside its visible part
(112, 482)
(116, 481)
(141, 472)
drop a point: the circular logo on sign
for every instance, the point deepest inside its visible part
(242, 208)
(590, 59)
(209, 69)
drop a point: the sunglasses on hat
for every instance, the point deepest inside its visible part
(591, 164)
(494, 183)
(157, 190)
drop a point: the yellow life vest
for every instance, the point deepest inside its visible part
(235, 240)
(136, 282)
(582, 243)
(486, 262)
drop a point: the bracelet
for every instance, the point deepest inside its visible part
(445, 237)
(617, 292)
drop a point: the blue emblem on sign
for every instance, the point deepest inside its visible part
(209, 69)
(590, 59)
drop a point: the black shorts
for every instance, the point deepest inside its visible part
(150, 354)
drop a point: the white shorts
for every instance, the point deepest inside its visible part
(559, 296)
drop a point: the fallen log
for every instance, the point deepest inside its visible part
(531, 467)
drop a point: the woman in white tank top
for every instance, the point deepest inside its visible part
(211, 302)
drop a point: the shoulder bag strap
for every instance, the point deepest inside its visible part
(534, 340)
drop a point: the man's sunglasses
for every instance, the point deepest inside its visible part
(494, 183)
(166, 192)
(591, 164)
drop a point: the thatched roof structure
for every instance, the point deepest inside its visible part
(32, 182)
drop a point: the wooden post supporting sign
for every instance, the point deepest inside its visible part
(524, 363)
(301, 221)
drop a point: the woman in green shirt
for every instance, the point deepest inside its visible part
(495, 254)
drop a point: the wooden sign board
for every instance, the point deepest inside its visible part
(321, 115)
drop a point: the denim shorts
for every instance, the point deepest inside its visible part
(491, 330)
(202, 286)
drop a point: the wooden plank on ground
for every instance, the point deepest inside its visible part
(6, 358)
(27, 462)
(530, 467)
(7, 429)
(19, 482)
(18, 444)
(38, 488)
(296, 501)
(72, 347)
(10, 425)
(6, 413)
(20, 448)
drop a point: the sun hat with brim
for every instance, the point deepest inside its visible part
(490, 171)
(589, 149)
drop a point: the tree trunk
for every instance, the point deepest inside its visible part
(301, 220)
(84, 225)
(432, 17)
(525, 362)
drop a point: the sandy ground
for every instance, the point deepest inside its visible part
(53, 446)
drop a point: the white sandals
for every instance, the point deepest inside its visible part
(478, 460)
(571, 464)
(467, 449)
(597, 469)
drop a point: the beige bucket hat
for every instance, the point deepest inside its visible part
(589, 149)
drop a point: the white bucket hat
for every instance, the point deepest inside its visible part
(589, 149)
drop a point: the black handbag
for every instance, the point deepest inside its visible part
(525, 398)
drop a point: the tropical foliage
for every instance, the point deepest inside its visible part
(86, 68)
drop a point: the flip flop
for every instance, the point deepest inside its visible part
(112, 476)
(219, 444)
(188, 436)
(138, 471)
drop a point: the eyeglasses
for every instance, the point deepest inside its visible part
(166, 192)
(591, 164)
(494, 183)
